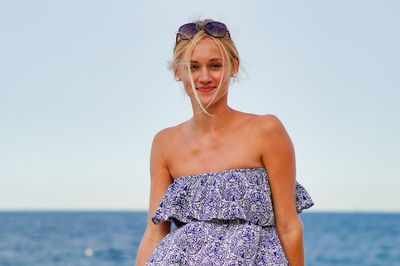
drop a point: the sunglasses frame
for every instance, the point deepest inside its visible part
(199, 28)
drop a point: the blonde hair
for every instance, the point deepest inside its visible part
(184, 49)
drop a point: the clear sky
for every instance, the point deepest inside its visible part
(84, 87)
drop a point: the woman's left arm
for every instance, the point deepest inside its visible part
(278, 157)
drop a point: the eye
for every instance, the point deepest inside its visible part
(193, 67)
(216, 66)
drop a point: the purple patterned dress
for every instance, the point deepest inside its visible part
(221, 218)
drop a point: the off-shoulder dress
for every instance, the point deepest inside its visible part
(221, 218)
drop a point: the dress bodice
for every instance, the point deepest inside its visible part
(226, 195)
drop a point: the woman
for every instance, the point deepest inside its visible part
(225, 178)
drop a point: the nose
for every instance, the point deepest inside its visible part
(205, 76)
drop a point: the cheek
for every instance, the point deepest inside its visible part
(186, 80)
(219, 76)
(222, 77)
(187, 85)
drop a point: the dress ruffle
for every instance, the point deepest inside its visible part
(242, 194)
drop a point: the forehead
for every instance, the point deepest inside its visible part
(206, 49)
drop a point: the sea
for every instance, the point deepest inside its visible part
(112, 238)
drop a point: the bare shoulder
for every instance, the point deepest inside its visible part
(246, 120)
(273, 137)
(271, 134)
(166, 135)
(260, 125)
(267, 125)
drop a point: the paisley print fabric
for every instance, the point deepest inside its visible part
(221, 218)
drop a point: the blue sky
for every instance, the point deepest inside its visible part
(84, 87)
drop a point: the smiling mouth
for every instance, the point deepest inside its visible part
(205, 89)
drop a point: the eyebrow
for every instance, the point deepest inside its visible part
(211, 60)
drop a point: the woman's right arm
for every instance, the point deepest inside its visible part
(160, 180)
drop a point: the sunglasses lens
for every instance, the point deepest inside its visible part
(216, 29)
(188, 31)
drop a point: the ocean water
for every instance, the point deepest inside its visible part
(112, 238)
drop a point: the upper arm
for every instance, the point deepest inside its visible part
(278, 157)
(160, 180)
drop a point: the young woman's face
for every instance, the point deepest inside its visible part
(206, 67)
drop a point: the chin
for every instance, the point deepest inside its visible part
(207, 101)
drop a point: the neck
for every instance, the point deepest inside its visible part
(206, 124)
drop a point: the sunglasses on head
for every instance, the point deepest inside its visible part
(214, 28)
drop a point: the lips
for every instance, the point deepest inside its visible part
(205, 89)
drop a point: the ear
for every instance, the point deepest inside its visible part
(177, 75)
(235, 67)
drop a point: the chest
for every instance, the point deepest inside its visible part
(189, 156)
